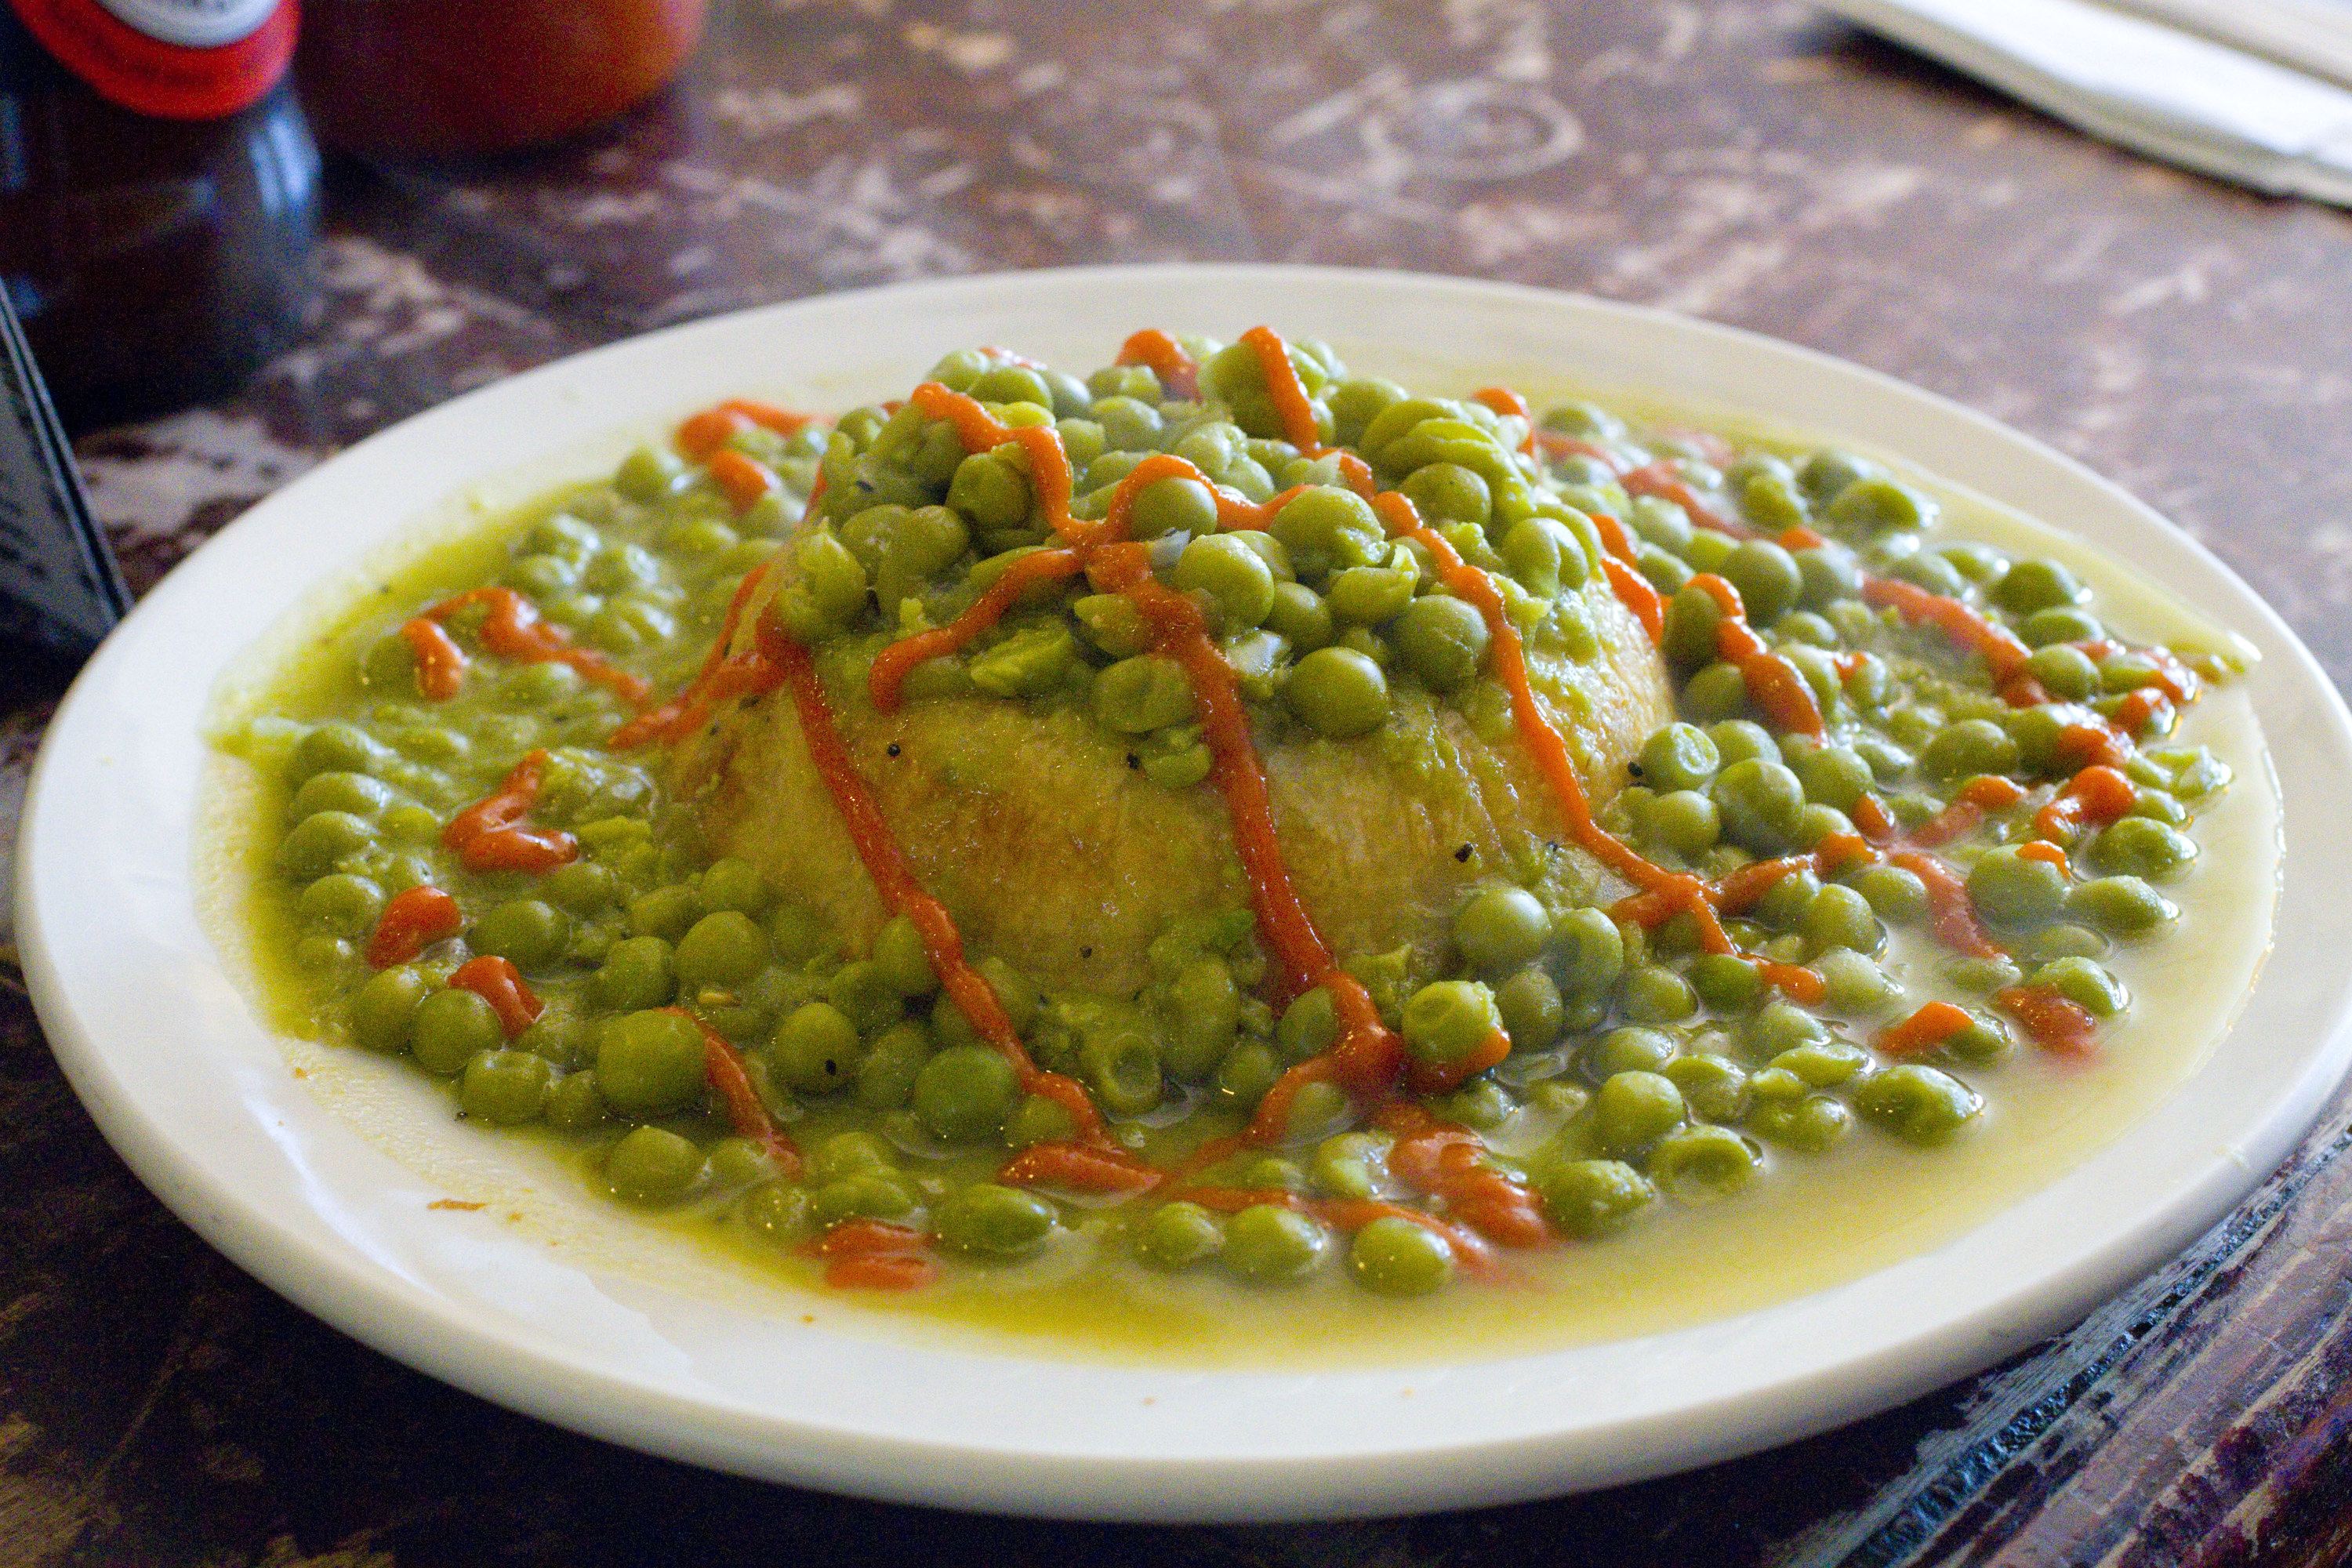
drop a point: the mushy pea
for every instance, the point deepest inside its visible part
(1227, 819)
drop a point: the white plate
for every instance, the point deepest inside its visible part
(198, 1098)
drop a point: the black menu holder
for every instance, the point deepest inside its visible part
(59, 586)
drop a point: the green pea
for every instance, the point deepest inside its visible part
(1711, 1086)
(1838, 917)
(799, 935)
(636, 973)
(1630, 1047)
(1822, 1064)
(1678, 757)
(1327, 529)
(776, 1212)
(653, 1164)
(723, 950)
(1855, 984)
(667, 913)
(2083, 983)
(382, 1013)
(1532, 1011)
(1119, 1064)
(1137, 696)
(2066, 672)
(584, 887)
(560, 1035)
(1441, 640)
(339, 746)
(1984, 1041)
(905, 962)
(1367, 595)
(1632, 1109)
(1310, 1025)
(650, 1062)
(2143, 848)
(1268, 1244)
(2032, 585)
(1811, 1125)
(965, 1093)
(1876, 506)
(1337, 692)
(1896, 895)
(1835, 775)
(1759, 802)
(1501, 927)
(530, 934)
(851, 1153)
(1654, 994)
(343, 904)
(1448, 1022)
(1717, 692)
(865, 995)
(1772, 502)
(1393, 1255)
(1970, 747)
(2014, 889)
(1448, 492)
(2122, 906)
(1546, 555)
(355, 794)
(1128, 424)
(1300, 615)
(862, 1194)
(1233, 577)
(1779, 1027)
(990, 491)
(321, 839)
(1174, 505)
(1693, 628)
(1344, 1165)
(1984, 976)
(1178, 1235)
(1917, 1104)
(575, 1104)
(449, 1027)
(985, 1220)
(2065, 939)
(1726, 981)
(1830, 574)
(1684, 821)
(1768, 579)
(1592, 952)
(1592, 1198)
(1200, 1016)
(504, 1088)
(1930, 571)
(818, 1049)
(1037, 1119)
(736, 885)
(1743, 739)
(1703, 1164)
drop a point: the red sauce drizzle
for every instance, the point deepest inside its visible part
(2053, 1022)
(1505, 401)
(875, 1255)
(878, 848)
(512, 630)
(1773, 684)
(412, 921)
(490, 835)
(497, 982)
(723, 1068)
(1163, 356)
(1923, 1030)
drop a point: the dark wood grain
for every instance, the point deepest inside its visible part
(1747, 161)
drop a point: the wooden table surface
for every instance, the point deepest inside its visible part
(1748, 161)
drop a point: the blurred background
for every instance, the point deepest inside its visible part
(220, 305)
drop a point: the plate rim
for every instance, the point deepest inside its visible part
(742, 1439)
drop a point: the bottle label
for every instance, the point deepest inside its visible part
(179, 59)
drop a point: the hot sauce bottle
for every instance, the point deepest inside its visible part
(159, 196)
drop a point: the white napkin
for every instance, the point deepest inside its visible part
(2159, 88)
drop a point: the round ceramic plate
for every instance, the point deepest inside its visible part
(199, 1099)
